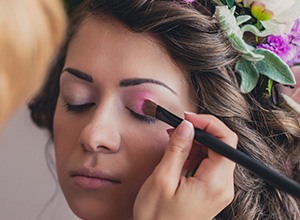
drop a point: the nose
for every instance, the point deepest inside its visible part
(101, 132)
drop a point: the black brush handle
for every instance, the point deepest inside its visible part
(271, 176)
(278, 180)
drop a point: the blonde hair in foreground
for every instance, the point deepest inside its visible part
(31, 32)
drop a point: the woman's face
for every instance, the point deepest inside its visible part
(105, 148)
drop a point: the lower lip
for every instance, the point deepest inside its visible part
(92, 183)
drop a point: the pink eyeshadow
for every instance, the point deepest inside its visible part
(135, 100)
(139, 101)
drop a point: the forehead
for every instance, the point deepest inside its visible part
(107, 35)
(105, 45)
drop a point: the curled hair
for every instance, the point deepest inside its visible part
(191, 36)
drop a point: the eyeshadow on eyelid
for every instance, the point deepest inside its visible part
(139, 106)
(76, 94)
(135, 100)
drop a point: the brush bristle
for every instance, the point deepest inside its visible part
(149, 108)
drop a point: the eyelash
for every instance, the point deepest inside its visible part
(84, 107)
(145, 118)
(78, 108)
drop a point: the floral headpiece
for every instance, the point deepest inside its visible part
(275, 25)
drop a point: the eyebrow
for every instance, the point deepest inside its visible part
(79, 74)
(138, 81)
(124, 83)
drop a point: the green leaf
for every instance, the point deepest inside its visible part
(240, 45)
(230, 3)
(254, 30)
(249, 75)
(242, 19)
(274, 68)
(270, 86)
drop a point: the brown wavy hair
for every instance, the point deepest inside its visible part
(267, 132)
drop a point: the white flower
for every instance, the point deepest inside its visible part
(277, 16)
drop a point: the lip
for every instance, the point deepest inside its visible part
(93, 179)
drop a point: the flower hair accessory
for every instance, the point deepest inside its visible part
(276, 30)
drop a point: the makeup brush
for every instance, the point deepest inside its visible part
(272, 177)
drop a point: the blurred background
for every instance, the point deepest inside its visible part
(26, 183)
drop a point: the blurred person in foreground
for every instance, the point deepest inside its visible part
(31, 32)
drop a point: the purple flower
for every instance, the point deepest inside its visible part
(296, 28)
(189, 1)
(286, 46)
(280, 45)
(295, 33)
(295, 41)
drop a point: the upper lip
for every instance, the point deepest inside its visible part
(92, 173)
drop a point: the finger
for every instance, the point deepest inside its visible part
(176, 154)
(170, 131)
(213, 126)
(216, 128)
(215, 166)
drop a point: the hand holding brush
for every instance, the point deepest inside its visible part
(168, 194)
(272, 177)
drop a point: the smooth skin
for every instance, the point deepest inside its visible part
(106, 138)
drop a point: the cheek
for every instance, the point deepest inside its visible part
(146, 150)
(64, 135)
(58, 130)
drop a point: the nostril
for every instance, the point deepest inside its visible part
(99, 135)
(104, 149)
(96, 149)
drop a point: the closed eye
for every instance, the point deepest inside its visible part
(78, 108)
(145, 118)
